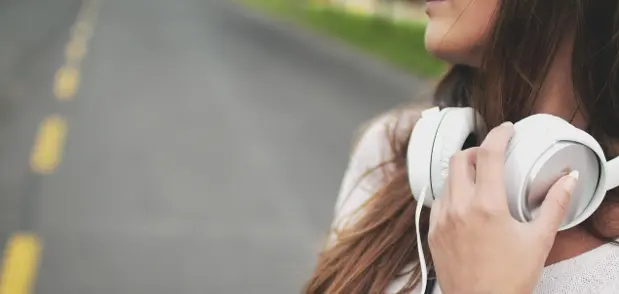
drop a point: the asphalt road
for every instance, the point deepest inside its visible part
(204, 146)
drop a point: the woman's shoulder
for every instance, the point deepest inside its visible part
(372, 148)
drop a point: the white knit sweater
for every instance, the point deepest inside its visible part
(596, 271)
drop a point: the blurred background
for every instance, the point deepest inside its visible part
(187, 146)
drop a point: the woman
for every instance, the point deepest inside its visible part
(511, 58)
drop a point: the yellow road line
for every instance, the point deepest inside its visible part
(75, 50)
(66, 82)
(91, 12)
(48, 146)
(86, 18)
(82, 30)
(21, 259)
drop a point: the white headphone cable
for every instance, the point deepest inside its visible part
(422, 260)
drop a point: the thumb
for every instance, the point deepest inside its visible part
(554, 207)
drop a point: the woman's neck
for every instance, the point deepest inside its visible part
(557, 94)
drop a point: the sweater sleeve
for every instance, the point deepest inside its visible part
(361, 180)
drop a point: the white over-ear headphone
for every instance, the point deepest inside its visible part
(542, 150)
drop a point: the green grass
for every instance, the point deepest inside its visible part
(398, 43)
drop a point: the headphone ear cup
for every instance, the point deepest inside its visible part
(457, 125)
(419, 152)
(543, 149)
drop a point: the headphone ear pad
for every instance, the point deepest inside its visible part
(419, 152)
(437, 135)
(457, 125)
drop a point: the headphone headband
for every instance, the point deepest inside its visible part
(612, 174)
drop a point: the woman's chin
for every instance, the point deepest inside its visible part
(439, 51)
(452, 55)
(435, 41)
(452, 48)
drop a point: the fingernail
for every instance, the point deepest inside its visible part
(570, 182)
(507, 124)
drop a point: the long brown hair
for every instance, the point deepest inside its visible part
(526, 34)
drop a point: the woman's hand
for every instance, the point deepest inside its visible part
(476, 245)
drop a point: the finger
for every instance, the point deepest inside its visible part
(446, 196)
(460, 177)
(554, 207)
(435, 213)
(491, 160)
(462, 169)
